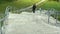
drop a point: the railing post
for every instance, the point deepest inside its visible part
(48, 16)
(5, 20)
(56, 16)
(40, 10)
(0, 28)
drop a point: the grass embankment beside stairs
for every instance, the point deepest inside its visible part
(51, 4)
(18, 4)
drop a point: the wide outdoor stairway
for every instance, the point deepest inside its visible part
(31, 23)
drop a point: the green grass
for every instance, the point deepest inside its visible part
(18, 4)
(59, 18)
(56, 16)
(51, 4)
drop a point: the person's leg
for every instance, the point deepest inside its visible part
(33, 11)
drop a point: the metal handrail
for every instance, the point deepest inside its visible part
(3, 19)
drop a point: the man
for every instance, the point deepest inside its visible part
(34, 8)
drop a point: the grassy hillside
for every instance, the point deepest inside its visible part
(18, 4)
(51, 4)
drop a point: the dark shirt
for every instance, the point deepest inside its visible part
(34, 7)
